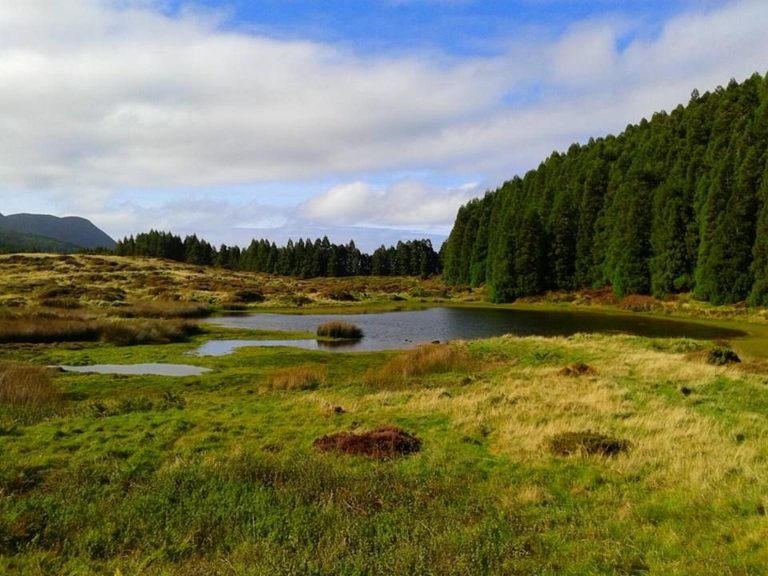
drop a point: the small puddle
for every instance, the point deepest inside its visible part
(139, 369)
(224, 347)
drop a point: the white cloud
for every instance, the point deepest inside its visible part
(401, 204)
(99, 97)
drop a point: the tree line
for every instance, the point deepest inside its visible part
(674, 204)
(304, 258)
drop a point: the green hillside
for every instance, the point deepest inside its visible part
(673, 204)
(11, 241)
(72, 232)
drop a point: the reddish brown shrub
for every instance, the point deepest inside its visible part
(385, 442)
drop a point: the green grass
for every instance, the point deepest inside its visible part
(217, 475)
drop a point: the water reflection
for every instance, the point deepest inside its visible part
(139, 369)
(392, 330)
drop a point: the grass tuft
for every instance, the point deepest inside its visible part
(44, 327)
(299, 378)
(166, 310)
(27, 393)
(421, 361)
(722, 356)
(567, 443)
(577, 369)
(339, 329)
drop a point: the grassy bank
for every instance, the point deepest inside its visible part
(581, 455)
(218, 475)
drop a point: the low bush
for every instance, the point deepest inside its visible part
(299, 378)
(422, 360)
(342, 296)
(385, 442)
(248, 296)
(339, 329)
(722, 356)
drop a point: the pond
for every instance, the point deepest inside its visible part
(392, 330)
(139, 369)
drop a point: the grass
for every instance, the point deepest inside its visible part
(219, 474)
(299, 378)
(27, 393)
(423, 360)
(50, 328)
(339, 330)
(159, 287)
(567, 443)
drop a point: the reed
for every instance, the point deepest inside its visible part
(299, 378)
(421, 361)
(339, 329)
(27, 393)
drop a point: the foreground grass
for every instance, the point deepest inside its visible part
(217, 474)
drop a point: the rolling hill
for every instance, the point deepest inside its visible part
(32, 232)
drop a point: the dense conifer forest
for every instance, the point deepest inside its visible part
(304, 258)
(674, 204)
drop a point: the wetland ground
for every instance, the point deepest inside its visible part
(515, 471)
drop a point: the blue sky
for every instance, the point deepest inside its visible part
(458, 27)
(374, 119)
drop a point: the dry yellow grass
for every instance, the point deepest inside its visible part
(107, 282)
(517, 408)
(422, 360)
(299, 378)
(75, 327)
(27, 386)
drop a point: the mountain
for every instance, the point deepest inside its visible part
(45, 232)
(676, 203)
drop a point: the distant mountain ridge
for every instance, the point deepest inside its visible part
(46, 232)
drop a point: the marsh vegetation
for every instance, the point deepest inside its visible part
(580, 454)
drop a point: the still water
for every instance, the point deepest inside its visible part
(139, 369)
(391, 330)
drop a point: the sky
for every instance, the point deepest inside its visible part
(371, 120)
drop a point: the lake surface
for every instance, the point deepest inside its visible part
(139, 369)
(391, 330)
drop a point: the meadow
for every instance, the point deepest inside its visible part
(593, 454)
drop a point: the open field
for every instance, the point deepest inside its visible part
(218, 474)
(130, 285)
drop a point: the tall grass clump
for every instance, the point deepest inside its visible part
(135, 332)
(421, 361)
(299, 378)
(44, 328)
(339, 329)
(27, 392)
(166, 309)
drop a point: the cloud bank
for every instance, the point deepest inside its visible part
(101, 98)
